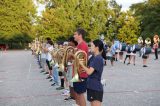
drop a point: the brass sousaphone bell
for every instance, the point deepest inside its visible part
(148, 41)
(80, 56)
(140, 40)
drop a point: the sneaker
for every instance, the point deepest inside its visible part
(75, 105)
(128, 63)
(145, 66)
(46, 73)
(65, 93)
(69, 98)
(49, 77)
(50, 80)
(53, 84)
(60, 88)
(42, 71)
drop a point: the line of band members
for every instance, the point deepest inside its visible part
(118, 48)
(111, 51)
(47, 54)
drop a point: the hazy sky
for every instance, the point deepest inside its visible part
(125, 4)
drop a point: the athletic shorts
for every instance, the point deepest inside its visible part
(94, 95)
(49, 65)
(80, 87)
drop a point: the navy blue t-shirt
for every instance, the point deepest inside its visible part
(94, 80)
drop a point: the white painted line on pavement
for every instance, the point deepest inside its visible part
(29, 70)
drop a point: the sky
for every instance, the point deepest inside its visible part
(125, 4)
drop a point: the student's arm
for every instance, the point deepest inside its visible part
(89, 71)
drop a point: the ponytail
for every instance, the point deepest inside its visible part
(98, 43)
(104, 54)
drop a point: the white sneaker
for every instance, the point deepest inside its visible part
(65, 93)
(75, 105)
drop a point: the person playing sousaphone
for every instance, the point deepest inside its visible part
(146, 50)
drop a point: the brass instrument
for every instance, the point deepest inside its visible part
(53, 53)
(140, 40)
(156, 39)
(80, 56)
(68, 52)
(59, 58)
(148, 41)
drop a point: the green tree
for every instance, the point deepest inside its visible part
(61, 18)
(16, 18)
(129, 31)
(148, 14)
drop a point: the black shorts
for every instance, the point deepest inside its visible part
(121, 53)
(94, 95)
(49, 65)
(80, 87)
(127, 56)
(144, 57)
(110, 58)
(61, 73)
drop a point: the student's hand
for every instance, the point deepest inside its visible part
(81, 63)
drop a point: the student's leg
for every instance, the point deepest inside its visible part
(156, 54)
(76, 98)
(129, 61)
(96, 103)
(62, 81)
(55, 75)
(134, 59)
(111, 62)
(82, 100)
(125, 59)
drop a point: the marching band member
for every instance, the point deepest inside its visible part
(128, 50)
(144, 56)
(48, 49)
(111, 54)
(133, 55)
(73, 43)
(55, 69)
(43, 57)
(80, 87)
(155, 46)
(61, 74)
(94, 86)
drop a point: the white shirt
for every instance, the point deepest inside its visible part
(43, 55)
(49, 56)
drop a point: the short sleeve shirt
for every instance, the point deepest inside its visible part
(49, 56)
(94, 80)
